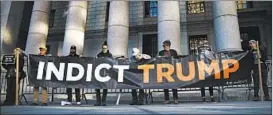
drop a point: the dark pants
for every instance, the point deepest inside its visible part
(99, 98)
(11, 91)
(140, 97)
(69, 94)
(203, 91)
(166, 93)
(256, 80)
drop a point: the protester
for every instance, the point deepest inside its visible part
(11, 79)
(43, 52)
(138, 57)
(167, 52)
(205, 54)
(210, 93)
(253, 45)
(72, 53)
(101, 101)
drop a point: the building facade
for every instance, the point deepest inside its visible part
(224, 25)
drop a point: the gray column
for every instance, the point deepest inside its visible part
(183, 28)
(226, 27)
(11, 18)
(169, 24)
(38, 29)
(5, 9)
(118, 28)
(75, 26)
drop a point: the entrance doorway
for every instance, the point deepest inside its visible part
(149, 45)
(197, 41)
(249, 33)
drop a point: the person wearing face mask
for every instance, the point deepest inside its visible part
(73, 53)
(168, 52)
(138, 58)
(101, 101)
(43, 52)
(254, 51)
(11, 79)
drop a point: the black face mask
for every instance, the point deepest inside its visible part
(72, 53)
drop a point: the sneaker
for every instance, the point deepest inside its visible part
(78, 103)
(133, 103)
(212, 99)
(267, 99)
(203, 99)
(140, 103)
(176, 102)
(68, 103)
(103, 104)
(167, 102)
(63, 103)
(97, 104)
(34, 104)
(256, 99)
(44, 104)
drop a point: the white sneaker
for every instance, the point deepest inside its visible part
(68, 103)
(65, 103)
(78, 103)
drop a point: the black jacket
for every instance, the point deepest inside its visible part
(172, 51)
(12, 67)
(76, 55)
(262, 53)
(107, 54)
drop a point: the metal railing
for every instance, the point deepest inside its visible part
(25, 88)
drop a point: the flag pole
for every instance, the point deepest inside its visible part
(260, 73)
(17, 76)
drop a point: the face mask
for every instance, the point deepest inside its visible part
(104, 50)
(72, 52)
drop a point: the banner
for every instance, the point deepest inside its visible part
(155, 73)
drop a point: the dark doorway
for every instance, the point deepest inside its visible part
(249, 33)
(149, 44)
(197, 41)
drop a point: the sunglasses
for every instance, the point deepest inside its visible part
(165, 45)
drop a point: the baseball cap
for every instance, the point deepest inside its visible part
(252, 41)
(135, 51)
(42, 47)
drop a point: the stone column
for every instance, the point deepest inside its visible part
(226, 26)
(11, 18)
(5, 10)
(75, 26)
(169, 24)
(118, 28)
(38, 29)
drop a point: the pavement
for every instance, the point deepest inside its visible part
(242, 107)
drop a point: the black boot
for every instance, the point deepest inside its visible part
(104, 95)
(212, 99)
(203, 99)
(267, 98)
(97, 104)
(34, 104)
(98, 97)
(134, 102)
(256, 98)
